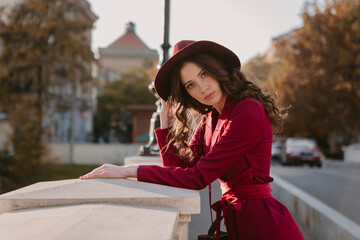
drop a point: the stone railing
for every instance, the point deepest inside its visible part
(91, 153)
(97, 209)
(318, 218)
(352, 154)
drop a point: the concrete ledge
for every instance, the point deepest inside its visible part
(184, 219)
(319, 218)
(90, 221)
(115, 191)
(54, 196)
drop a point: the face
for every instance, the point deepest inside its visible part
(201, 86)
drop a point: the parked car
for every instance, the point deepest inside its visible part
(276, 149)
(299, 151)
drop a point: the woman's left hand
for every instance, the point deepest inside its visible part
(111, 171)
(165, 115)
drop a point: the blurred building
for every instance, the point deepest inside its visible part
(63, 103)
(59, 115)
(279, 46)
(126, 52)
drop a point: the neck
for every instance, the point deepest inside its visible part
(220, 106)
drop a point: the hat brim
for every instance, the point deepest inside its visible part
(162, 80)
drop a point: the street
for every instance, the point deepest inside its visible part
(337, 187)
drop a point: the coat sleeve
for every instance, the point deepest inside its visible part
(169, 155)
(242, 132)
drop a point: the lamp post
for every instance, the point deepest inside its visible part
(165, 46)
(155, 119)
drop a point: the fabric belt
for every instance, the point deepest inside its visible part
(233, 197)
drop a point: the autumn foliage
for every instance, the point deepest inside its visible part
(316, 71)
(43, 45)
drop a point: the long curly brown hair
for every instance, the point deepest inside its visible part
(232, 81)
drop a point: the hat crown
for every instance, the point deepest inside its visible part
(181, 45)
(185, 48)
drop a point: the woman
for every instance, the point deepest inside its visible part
(232, 141)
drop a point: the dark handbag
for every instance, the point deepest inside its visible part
(223, 236)
(211, 235)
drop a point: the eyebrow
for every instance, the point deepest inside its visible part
(201, 70)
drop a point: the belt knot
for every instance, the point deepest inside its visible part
(229, 199)
(232, 202)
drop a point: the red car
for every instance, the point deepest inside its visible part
(299, 151)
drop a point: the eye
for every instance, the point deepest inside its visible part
(203, 74)
(190, 85)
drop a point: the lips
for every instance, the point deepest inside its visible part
(209, 96)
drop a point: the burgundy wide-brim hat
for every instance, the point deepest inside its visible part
(185, 48)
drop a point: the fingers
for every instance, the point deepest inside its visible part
(165, 115)
(90, 175)
(106, 171)
(163, 102)
(96, 173)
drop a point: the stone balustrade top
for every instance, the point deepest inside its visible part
(98, 209)
(113, 191)
(89, 221)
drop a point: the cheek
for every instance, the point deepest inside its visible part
(192, 93)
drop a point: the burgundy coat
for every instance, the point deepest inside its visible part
(237, 151)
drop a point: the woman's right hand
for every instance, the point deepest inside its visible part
(165, 115)
(111, 171)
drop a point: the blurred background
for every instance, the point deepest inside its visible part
(74, 77)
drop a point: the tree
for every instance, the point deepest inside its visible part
(259, 67)
(114, 97)
(321, 81)
(43, 45)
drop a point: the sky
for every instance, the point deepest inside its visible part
(244, 26)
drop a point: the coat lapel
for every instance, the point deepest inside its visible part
(208, 133)
(223, 119)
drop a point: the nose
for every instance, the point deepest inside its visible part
(203, 86)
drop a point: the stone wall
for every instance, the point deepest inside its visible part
(93, 153)
(97, 209)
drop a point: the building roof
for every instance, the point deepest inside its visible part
(129, 39)
(129, 45)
